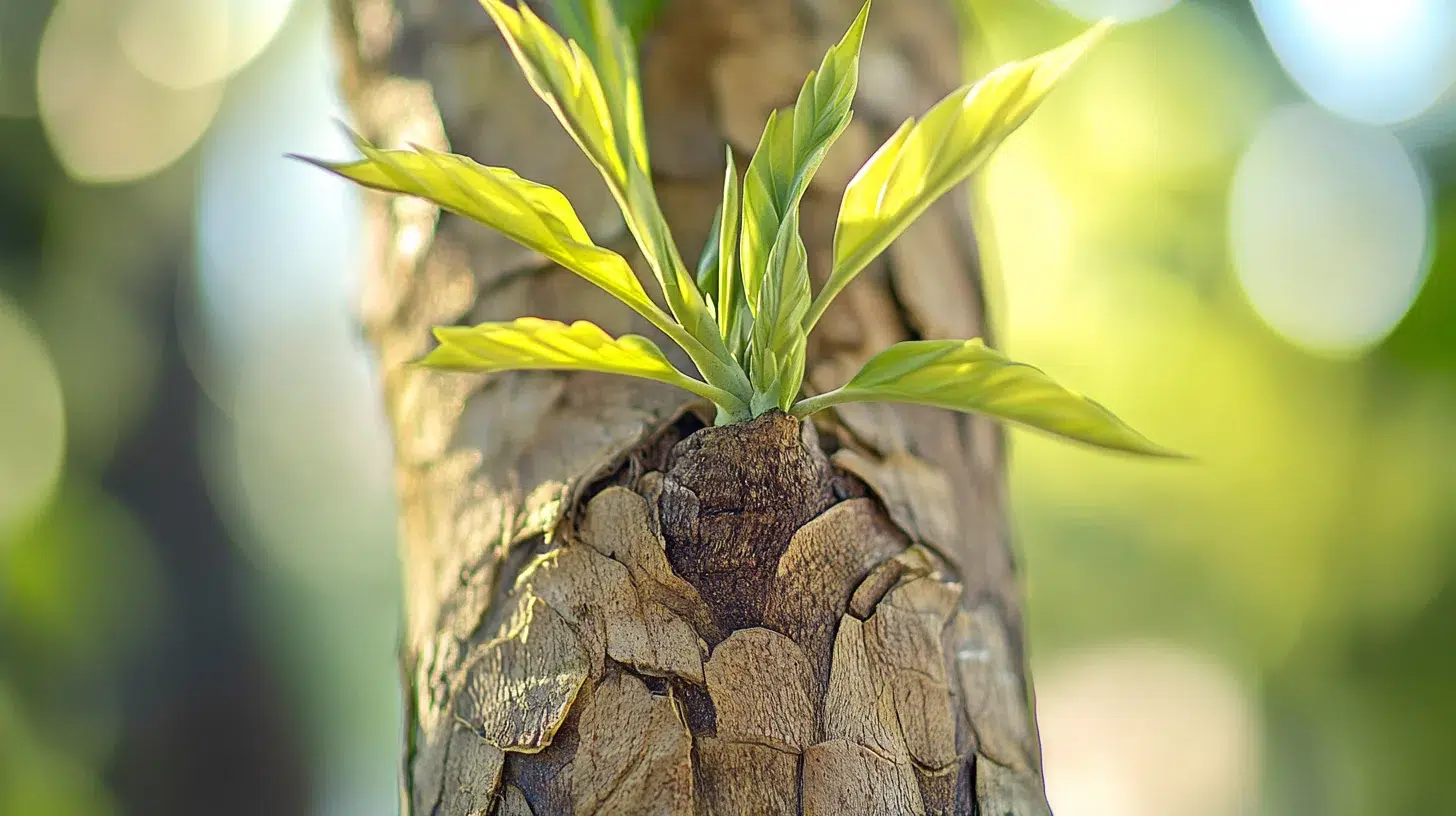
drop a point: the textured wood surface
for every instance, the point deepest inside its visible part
(610, 608)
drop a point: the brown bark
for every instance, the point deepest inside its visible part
(610, 607)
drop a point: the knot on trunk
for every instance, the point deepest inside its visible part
(731, 500)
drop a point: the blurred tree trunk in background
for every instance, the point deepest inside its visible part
(209, 725)
(202, 721)
(612, 609)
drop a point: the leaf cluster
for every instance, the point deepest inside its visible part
(744, 313)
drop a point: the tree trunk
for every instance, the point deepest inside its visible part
(612, 608)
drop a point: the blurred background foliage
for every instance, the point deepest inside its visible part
(1234, 225)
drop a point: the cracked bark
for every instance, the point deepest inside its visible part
(610, 607)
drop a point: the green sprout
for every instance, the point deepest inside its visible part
(744, 314)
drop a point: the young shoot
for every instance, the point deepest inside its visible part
(744, 314)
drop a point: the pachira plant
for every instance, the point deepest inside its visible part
(744, 313)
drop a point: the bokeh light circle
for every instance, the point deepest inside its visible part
(1178, 100)
(1329, 223)
(32, 419)
(105, 121)
(1120, 10)
(307, 272)
(1147, 729)
(188, 43)
(1377, 61)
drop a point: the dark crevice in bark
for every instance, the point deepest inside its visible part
(966, 801)
(538, 775)
(697, 707)
(843, 484)
(444, 763)
(650, 456)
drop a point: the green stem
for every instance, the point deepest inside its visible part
(728, 404)
(810, 405)
(726, 375)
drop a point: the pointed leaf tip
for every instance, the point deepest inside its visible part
(967, 376)
(927, 158)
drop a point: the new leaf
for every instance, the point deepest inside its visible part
(964, 375)
(771, 256)
(718, 275)
(779, 342)
(924, 160)
(529, 343)
(763, 324)
(731, 300)
(793, 146)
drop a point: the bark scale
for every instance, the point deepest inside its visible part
(611, 608)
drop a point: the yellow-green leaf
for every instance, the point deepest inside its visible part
(599, 103)
(565, 79)
(594, 26)
(530, 343)
(574, 17)
(964, 375)
(924, 160)
(532, 214)
(731, 300)
(771, 257)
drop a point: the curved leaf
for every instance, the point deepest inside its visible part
(964, 375)
(532, 214)
(606, 30)
(564, 77)
(924, 160)
(529, 343)
(598, 100)
(708, 260)
(771, 257)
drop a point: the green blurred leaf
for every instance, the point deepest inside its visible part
(574, 17)
(598, 100)
(923, 160)
(1426, 335)
(39, 777)
(529, 343)
(964, 375)
(80, 584)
